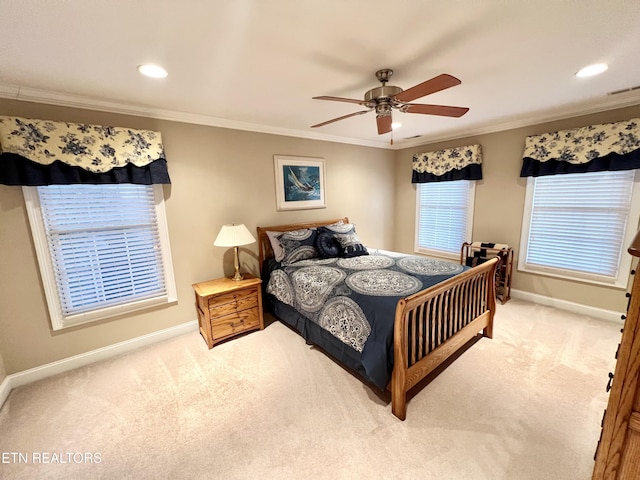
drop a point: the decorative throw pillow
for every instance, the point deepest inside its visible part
(327, 245)
(298, 245)
(345, 234)
(351, 245)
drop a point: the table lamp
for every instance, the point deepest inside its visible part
(234, 235)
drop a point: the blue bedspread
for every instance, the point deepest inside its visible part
(355, 298)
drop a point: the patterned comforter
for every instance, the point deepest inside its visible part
(355, 298)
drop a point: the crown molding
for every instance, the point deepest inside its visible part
(49, 97)
(627, 99)
(27, 94)
(9, 91)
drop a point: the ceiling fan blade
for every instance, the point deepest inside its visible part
(340, 99)
(384, 124)
(340, 118)
(441, 110)
(441, 82)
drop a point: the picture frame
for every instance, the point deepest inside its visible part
(300, 182)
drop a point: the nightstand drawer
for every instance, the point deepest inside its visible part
(235, 323)
(233, 303)
(231, 297)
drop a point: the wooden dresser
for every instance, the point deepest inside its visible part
(618, 451)
(227, 308)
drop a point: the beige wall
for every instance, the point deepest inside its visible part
(499, 204)
(3, 372)
(218, 176)
(221, 176)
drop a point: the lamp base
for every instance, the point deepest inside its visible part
(236, 263)
(237, 277)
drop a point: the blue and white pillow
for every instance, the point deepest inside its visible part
(345, 235)
(298, 245)
(327, 245)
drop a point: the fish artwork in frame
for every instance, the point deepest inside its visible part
(299, 182)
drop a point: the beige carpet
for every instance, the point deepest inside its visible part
(525, 405)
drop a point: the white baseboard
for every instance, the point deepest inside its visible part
(38, 373)
(601, 313)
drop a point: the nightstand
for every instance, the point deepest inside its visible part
(227, 308)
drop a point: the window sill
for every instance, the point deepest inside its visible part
(439, 254)
(110, 312)
(585, 278)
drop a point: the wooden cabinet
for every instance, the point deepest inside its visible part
(618, 451)
(227, 308)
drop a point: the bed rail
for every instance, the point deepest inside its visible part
(433, 324)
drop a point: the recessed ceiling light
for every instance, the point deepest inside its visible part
(591, 70)
(153, 71)
(395, 125)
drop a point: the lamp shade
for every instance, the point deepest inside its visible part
(233, 235)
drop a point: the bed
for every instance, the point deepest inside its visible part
(391, 318)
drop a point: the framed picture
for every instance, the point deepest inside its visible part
(299, 182)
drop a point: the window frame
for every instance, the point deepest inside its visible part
(48, 274)
(470, 202)
(624, 263)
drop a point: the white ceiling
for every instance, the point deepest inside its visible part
(255, 64)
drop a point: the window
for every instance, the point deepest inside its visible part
(578, 226)
(103, 250)
(444, 217)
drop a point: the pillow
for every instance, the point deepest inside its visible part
(298, 245)
(327, 245)
(351, 245)
(278, 251)
(338, 228)
(345, 234)
(339, 222)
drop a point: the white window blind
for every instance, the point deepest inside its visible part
(444, 216)
(107, 249)
(577, 225)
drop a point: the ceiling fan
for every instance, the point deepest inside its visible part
(385, 98)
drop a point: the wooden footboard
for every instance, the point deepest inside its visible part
(435, 323)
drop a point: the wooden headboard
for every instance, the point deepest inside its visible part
(264, 244)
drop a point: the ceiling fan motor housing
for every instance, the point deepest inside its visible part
(382, 98)
(380, 93)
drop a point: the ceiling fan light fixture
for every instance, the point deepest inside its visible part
(592, 70)
(152, 71)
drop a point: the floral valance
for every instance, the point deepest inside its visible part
(595, 148)
(43, 152)
(461, 163)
